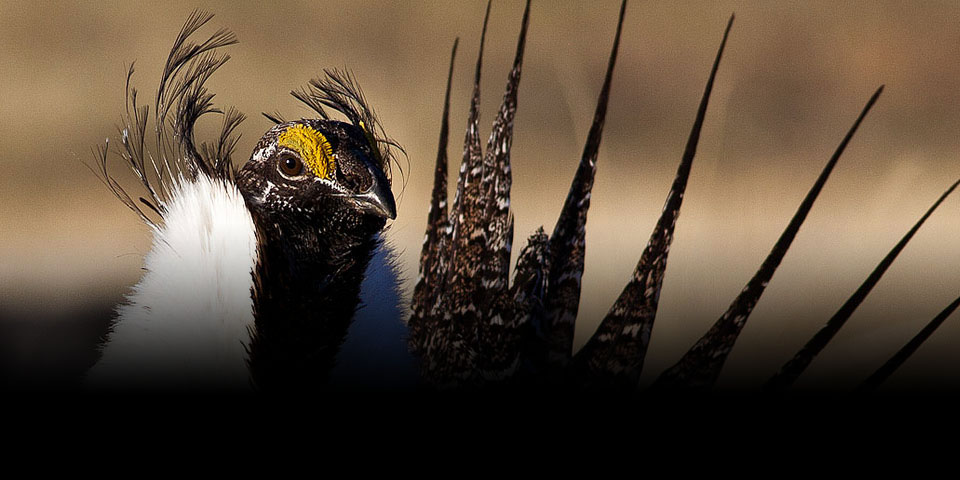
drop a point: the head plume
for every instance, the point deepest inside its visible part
(338, 90)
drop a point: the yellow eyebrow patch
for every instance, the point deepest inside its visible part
(313, 147)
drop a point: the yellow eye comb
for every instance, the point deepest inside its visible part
(313, 148)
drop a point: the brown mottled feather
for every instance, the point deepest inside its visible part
(427, 293)
(440, 335)
(613, 357)
(567, 243)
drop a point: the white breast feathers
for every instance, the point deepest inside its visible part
(186, 322)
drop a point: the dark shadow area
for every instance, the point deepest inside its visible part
(50, 352)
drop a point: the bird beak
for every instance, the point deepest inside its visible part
(378, 199)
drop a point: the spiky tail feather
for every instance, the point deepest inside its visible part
(613, 357)
(432, 262)
(789, 373)
(898, 359)
(568, 240)
(468, 332)
(701, 365)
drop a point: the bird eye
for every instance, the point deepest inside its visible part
(291, 166)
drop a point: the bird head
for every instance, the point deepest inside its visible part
(322, 175)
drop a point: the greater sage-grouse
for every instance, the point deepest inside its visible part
(254, 277)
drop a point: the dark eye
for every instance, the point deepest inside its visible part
(291, 165)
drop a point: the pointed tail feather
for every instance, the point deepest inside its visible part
(494, 225)
(496, 222)
(492, 236)
(461, 255)
(614, 354)
(430, 258)
(457, 345)
(567, 243)
(701, 365)
(904, 353)
(789, 373)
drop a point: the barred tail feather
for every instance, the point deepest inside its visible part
(440, 333)
(613, 357)
(464, 255)
(568, 240)
(423, 323)
(431, 261)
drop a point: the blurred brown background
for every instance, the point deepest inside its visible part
(794, 77)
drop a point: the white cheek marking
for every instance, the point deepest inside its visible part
(262, 155)
(266, 191)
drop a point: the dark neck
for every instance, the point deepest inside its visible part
(306, 291)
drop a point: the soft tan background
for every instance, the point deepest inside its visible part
(794, 76)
